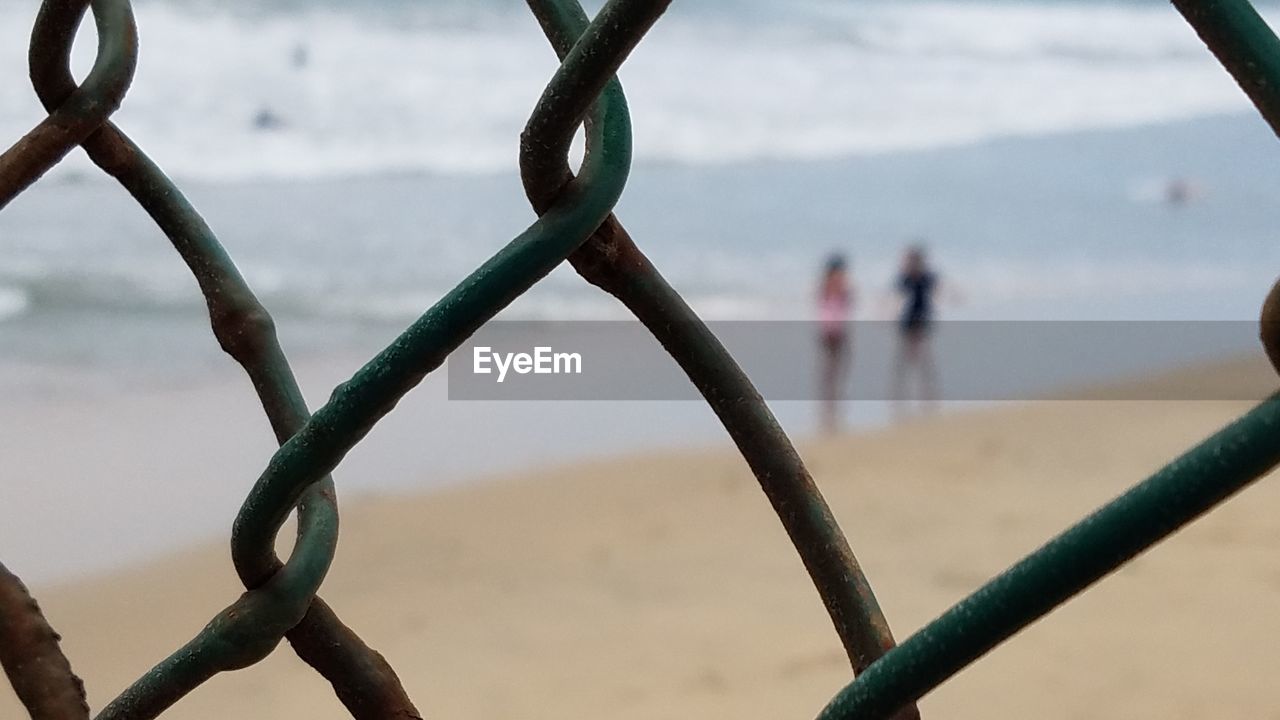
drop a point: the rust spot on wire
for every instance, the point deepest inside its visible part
(31, 657)
(1270, 325)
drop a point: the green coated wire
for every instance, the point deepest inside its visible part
(359, 403)
(610, 260)
(575, 222)
(360, 676)
(1186, 488)
(1244, 44)
(508, 274)
(242, 634)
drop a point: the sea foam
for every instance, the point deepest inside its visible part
(230, 93)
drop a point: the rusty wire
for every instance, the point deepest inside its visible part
(82, 109)
(30, 656)
(611, 261)
(575, 223)
(361, 677)
(1269, 326)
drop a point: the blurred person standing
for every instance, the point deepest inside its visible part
(835, 308)
(916, 287)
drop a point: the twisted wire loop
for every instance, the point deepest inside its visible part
(362, 679)
(1186, 488)
(250, 628)
(30, 656)
(610, 260)
(356, 405)
(83, 109)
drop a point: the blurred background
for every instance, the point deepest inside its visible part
(1080, 160)
(359, 158)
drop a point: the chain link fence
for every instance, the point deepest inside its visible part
(576, 224)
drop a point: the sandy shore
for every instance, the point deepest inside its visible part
(661, 586)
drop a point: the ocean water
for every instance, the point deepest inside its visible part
(767, 134)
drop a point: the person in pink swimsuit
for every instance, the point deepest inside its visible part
(835, 308)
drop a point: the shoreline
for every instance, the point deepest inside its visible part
(178, 459)
(1057, 226)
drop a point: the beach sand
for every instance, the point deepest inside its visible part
(661, 585)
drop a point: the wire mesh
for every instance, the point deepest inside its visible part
(575, 224)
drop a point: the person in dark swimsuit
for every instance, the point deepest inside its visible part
(917, 285)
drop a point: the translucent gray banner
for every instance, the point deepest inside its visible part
(795, 360)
